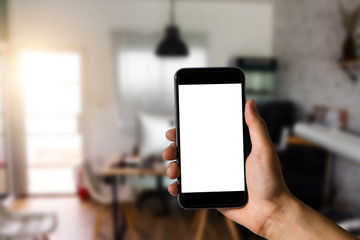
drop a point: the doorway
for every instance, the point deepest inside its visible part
(51, 88)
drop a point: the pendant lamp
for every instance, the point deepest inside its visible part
(172, 45)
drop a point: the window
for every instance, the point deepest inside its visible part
(145, 81)
(51, 83)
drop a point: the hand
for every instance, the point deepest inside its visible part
(272, 211)
(265, 183)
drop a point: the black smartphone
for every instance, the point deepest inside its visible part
(211, 137)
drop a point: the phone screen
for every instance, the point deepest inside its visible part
(211, 130)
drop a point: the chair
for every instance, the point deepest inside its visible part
(102, 196)
(200, 219)
(19, 226)
(279, 117)
(303, 165)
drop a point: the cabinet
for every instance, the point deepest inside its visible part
(260, 77)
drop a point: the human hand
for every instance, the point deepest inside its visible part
(272, 211)
(266, 187)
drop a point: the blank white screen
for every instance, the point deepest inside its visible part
(211, 138)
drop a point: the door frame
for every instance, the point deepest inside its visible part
(4, 55)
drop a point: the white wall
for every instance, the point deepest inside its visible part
(233, 28)
(309, 37)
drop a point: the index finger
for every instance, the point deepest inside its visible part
(171, 135)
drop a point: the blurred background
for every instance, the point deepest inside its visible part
(86, 92)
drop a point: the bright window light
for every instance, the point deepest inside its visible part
(52, 104)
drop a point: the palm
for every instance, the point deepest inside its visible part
(265, 185)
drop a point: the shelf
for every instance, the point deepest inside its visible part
(352, 63)
(351, 68)
(334, 140)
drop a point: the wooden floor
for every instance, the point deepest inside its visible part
(76, 218)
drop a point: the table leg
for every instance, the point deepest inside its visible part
(232, 227)
(329, 190)
(115, 208)
(164, 195)
(201, 225)
(160, 193)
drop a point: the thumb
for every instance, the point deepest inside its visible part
(259, 135)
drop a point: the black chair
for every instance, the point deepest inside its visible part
(303, 166)
(278, 115)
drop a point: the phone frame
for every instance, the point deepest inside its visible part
(194, 76)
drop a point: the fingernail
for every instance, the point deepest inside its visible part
(253, 105)
(167, 171)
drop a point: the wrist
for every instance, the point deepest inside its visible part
(286, 211)
(295, 220)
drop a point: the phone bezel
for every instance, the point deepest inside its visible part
(192, 76)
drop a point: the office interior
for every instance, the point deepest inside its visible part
(86, 100)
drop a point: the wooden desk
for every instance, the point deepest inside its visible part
(109, 172)
(131, 171)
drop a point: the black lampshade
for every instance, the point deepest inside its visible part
(172, 45)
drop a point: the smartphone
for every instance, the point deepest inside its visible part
(211, 137)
